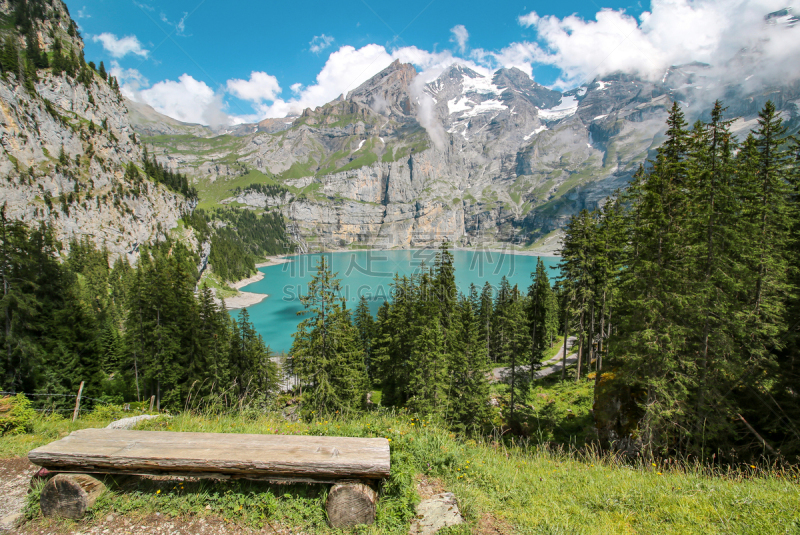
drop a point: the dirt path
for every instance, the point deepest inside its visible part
(550, 366)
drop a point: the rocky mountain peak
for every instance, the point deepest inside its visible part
(388, 92)
(522, 86)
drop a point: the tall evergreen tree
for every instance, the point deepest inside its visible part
(325, 348)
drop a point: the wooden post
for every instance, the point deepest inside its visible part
(69, 495)
(351, 504)
(152, 400)
(77, 403)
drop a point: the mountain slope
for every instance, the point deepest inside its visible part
(67, 140)
(474, 158)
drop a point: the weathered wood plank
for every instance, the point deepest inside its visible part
(280, 456)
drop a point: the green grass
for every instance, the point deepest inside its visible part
(364, 160)
(524, 485)
(211, 193)
(198, 146)
(299, 170)
(222, 290)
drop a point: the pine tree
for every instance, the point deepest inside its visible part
(325, 347)
(10, 57)
(540, 314)
(468, 393)
(576, 268)
(485, 312)
(365, 325)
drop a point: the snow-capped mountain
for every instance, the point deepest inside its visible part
(472, 157)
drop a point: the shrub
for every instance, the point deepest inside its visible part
(16, 415)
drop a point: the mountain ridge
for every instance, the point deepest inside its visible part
(517, 159)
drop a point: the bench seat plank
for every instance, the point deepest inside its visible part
(281, 456)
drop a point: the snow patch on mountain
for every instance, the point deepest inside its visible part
(481, 84)
(565, 108)
(538, 130)
(457, 105)
(485, 107)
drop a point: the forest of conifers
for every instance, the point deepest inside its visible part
(127, 332)
(682, 293)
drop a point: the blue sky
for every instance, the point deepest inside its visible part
(213, 61)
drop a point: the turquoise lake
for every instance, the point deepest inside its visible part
(370, 273)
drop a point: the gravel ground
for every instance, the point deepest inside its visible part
(15, 476)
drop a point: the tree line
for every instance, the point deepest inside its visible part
(239, 239)
(129, 332)
(26, 17)
(684, 290)
(430, 348)
(161, 174)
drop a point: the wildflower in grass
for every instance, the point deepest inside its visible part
(654, 464)
(158, 491)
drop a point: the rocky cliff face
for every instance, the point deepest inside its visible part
(473, 158)
(65, 146)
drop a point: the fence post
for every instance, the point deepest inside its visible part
(152, 400)
(77, 403)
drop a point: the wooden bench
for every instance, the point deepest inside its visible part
(353, 465)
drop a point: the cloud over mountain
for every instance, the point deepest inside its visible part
(673, 32)
(120, 47)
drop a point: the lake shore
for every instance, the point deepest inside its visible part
(244, 300)
(550, 251)
(275, 261)
(247, 299)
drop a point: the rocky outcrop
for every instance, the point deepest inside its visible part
(65, 148)
(436, 513)
(617, 412)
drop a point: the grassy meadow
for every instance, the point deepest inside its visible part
(504, 485)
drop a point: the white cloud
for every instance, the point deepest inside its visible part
(320, 43)
(82, 13)
(673, 32)
(460, 37)
(180, 26)
(122, 46)
(732, 34)
(346, 69)
(187, 100)
(260, 87)
(144, 6)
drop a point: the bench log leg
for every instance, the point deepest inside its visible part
(351, 504)
(69, 495)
